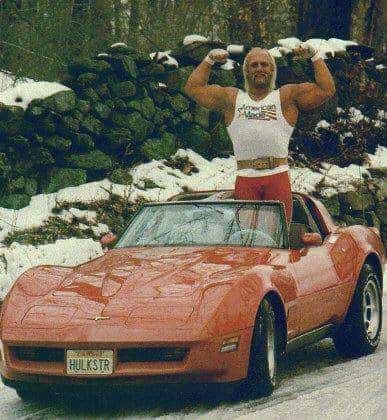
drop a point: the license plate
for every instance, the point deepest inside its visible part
(89, 362)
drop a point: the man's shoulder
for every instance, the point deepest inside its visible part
(287, 91)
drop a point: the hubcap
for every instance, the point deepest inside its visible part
(271, 348)
(371, 309)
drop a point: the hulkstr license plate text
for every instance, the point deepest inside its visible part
(89, 362)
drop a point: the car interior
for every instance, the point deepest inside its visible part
(302, 220)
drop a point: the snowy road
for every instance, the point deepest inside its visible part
(315, 383)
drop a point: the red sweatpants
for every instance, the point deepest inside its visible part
(269, 187)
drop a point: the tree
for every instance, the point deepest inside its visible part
(324, 18)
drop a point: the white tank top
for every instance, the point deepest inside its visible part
(259, 129)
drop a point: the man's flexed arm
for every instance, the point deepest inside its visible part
(214, 97)
(311, 95)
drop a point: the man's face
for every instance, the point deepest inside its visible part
(259, 69)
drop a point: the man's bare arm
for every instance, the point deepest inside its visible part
(311, 95)
(213, 97)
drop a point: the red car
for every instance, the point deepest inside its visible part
(201, 289)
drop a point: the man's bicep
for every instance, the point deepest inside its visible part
(308, 96)
(213, 97)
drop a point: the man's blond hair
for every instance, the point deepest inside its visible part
(273, 76)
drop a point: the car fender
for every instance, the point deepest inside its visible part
(369, 250)
(238, 308)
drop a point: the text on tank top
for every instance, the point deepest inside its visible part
(259, 128)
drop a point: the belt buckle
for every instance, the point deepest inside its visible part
(271, 162)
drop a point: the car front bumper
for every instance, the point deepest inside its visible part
(204, 363)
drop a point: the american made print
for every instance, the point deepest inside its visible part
(256, 112)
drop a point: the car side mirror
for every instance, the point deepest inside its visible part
(108, 239)
(311, 239)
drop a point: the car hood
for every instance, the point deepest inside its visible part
(144, 286)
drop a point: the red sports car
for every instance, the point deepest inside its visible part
(201, 289)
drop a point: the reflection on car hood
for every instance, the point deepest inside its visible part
(144, 284)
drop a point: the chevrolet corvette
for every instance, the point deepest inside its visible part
(201, 289)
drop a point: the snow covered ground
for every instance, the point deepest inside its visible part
(212, 175)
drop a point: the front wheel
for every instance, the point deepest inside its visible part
(360, 332)
(262, 375)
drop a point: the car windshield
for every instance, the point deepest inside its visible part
(199, 224)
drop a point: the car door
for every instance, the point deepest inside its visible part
(316, 279)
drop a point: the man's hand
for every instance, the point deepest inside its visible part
(217, 56)
(305, 51)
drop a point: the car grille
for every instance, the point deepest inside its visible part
(38, 354)
(152, 354)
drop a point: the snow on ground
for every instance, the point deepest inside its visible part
(23, 93)
(8, 81)
(212, 175)
(16, 259)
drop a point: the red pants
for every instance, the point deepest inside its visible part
(270, 187)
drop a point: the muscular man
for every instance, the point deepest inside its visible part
(260, 120)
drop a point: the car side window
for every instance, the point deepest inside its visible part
(312, 211)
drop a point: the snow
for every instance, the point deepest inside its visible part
(235, 49)
(323, 124)
(228, 65)
(380, 67)
(323, 46)
(118, 44)
(16, 259)
(8, 81)
(190, 39)
(161, 54)
(23, 93)
(379, 159)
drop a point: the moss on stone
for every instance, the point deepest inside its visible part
(144, 106)
(65, 177)
(58, 143)
(124, 90)
(15, 201)
(121, 176)
(96, 159)
(60, 102)
(160, 148)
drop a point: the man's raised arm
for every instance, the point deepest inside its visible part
(311, 95)
(213, 97)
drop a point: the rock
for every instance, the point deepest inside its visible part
(15, 201)
(65, 177)
(332, 204)
(101, 111)
(94, 160)
(161, 148)
(58, 143)
(354, 201)
(124, 90)
(121, 176)
(60, 102)
(91, 125)
(144, 106)
(372, 219)
(86, 80)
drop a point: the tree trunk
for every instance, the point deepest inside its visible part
(325, 18)
(373, 23)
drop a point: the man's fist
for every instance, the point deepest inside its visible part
(217, 56)
(304, 50)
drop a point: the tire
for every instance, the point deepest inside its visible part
(263, 363)
(359, 334)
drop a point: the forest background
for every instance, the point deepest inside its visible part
(38, 38)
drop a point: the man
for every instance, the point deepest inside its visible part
(260, 120)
